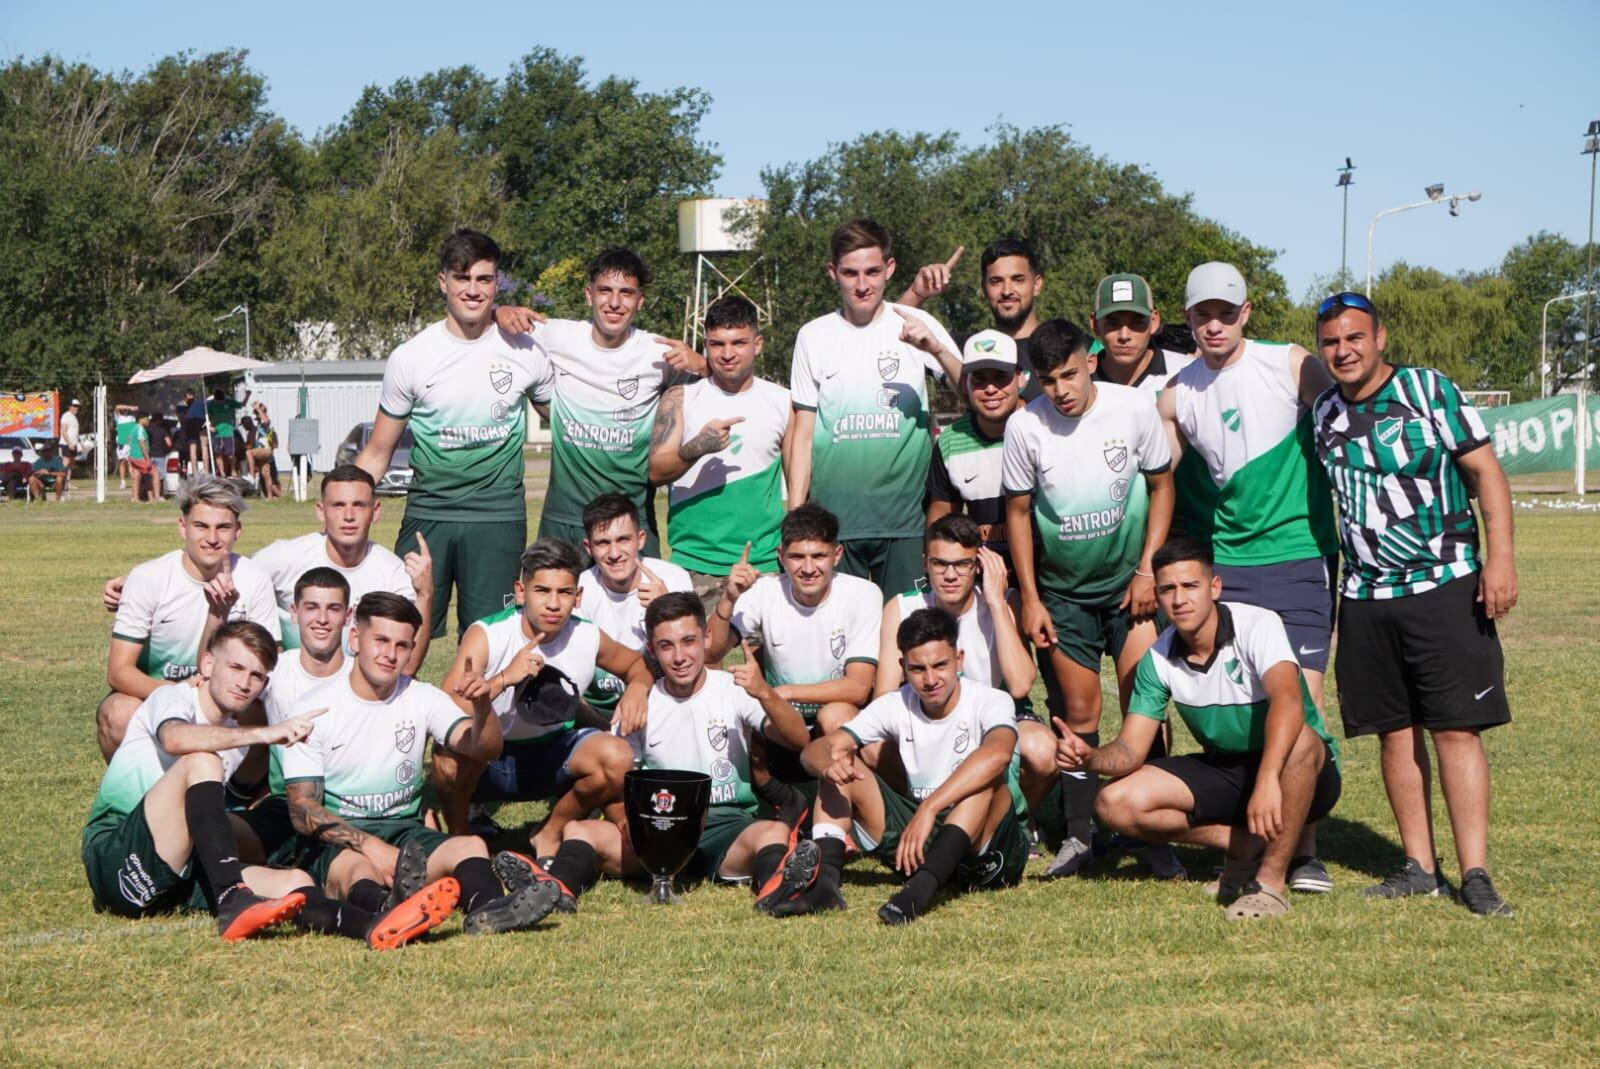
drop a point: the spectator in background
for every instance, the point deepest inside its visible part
(125, 418)
(14, 474)
(48, 471)
(222, 409)
(161, 444)
(69, 437)
(264, 454)
(193, 411)
(145, 486)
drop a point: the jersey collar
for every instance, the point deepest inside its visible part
(1157, 366)
(1178, 652)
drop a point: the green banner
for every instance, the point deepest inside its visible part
(1538, 436)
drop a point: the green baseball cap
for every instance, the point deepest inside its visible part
(1123, 293)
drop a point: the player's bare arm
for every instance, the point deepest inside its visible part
(931, 280)
(419, 569)
(178, 737)
(1125, 754)
(1036, 623)
(889, 675)
(720, 635)
(375, 455)
(665, 437)
(1167, 409)
(123, 673)
(833, 757)
(1497, 582)
(1285, 721)
(799, 467)
(630, 667)
(854, 689)
(784, 725)
(1310, 375)
(1140, 598)
(480, 738)
(315, 821)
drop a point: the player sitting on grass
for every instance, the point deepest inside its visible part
(538, 656)
(701, 720)
(1268, 763)
(355, 789)
(159, 837)
(955, 738)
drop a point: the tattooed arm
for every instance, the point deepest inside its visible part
(665, 438)
(314, 820)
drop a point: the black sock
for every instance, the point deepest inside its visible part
(939, 862)
(575, 865)
(479, 884)
(787, 800)
(215, 846)
(768, 860)
(329, 916)
(1078, 791)
(832, 851)
(368, 895)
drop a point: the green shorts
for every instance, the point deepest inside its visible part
(724, 824)
(1086, 633)
(315, 857)
(895, 564)
(269, 820)
(999, 865)
(480, 559)
(128, 877)
(574, 533)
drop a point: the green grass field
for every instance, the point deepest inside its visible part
(1111, 969)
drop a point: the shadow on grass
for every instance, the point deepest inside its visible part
(1356, 846)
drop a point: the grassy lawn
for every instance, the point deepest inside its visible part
(1109, 969)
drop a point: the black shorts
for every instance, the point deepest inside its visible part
(1431, 660)
(194, 430)
(1222, 783)
(1301, 592)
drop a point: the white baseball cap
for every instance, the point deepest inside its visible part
(989, 349)
(1215, 281)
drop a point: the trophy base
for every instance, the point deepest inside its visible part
(660, 893)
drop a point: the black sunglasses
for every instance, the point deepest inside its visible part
(1332, 304)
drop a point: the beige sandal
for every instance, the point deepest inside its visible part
(1256, 903)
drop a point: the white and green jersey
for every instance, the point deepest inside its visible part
(287, 559)
(870, 448)
(368, 755)
(804, 644)
(735, 496)
(572, 652)
(467, 402)
(1222, 701)
(601, 417)
(140, 761)
(289, 683)
(621, 617)
(164, 610)
(932, 749)
(708, 732)
(1266, 499)
(1164, 364)
(1086, 475)
(980, 657)
(1405, 517)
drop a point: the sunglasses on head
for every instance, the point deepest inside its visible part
(1332, 304)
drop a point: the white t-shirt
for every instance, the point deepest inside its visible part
(164, 609)
(289, 683)
(140, 760)
(709, 732)
(572, 652)
(69, 430)
(287, 559)
(803, 644)
(933, 749)
(368, 755)
(621, 617)
(980, 657)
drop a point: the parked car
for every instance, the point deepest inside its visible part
(397, 480)
(8, 442)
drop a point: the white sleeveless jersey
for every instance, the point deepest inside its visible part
(573, 652)
(980, 657)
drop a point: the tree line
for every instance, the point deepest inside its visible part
(135, 208)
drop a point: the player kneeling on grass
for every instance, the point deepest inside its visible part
(700, 720)
(1268, 764)
(538, 657)
(159, 837)
(355, 788)
(955, 738)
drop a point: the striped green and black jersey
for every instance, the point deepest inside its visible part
(1405, 516)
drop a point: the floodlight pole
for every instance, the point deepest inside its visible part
(1455, 206)
(1544, 334)
(1591, 148)
(1345, 182)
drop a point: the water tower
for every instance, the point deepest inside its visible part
(706, 228)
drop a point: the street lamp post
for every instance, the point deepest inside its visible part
(1346, 180)
(1544, 333)
(1436, 195)
(1591, 148)
(244, 310)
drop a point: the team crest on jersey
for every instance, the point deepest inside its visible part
(662, 801)
(1230, 418)
(405, 736)
(836, 644)
(721, 769)
(1119, 490)
(625, 414)
(499, 378)
(887, 398)
(1235, 671)
(499, 411)
(888, 364)
(963, 739)
(1389, 431)
(405, 773)
(628, 387)
(717, 735)
(1116, 454)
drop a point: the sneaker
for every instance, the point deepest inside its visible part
(1480, 896)
(519, 909)
(517, 871)
(410, 875)
(415, 915)
(1309, 876)
(794, 877)
(821, 898)
(1162, 862)
(1407, 880)
(1072, 856)
(894, 914)
(241, 914)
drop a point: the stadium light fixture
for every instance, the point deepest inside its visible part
(1435, 194)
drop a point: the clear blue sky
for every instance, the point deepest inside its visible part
(1251, 106)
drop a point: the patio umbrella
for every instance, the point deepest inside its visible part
(196, 364)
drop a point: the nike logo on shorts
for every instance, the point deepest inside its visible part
(1478, 697)
(1307, 653)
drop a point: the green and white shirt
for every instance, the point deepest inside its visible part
(1086, 475)
(164, 610)
(966, 471)
(140, 761)
(289, 683)
(1405, 516)
(621, 617)
(708, 732)
(870, 448)
(368, 755)
(287, 559)
(571, 652)
(1263, 498)
(805, 644)
(980, 657)
(601, 417)
(1222, 701)
(467, 403)
(735, 496)
(930, 749)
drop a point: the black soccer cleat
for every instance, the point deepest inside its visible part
(794, 877)
(517, 871)
(509, 913)
(821, 898)
(410, 875)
